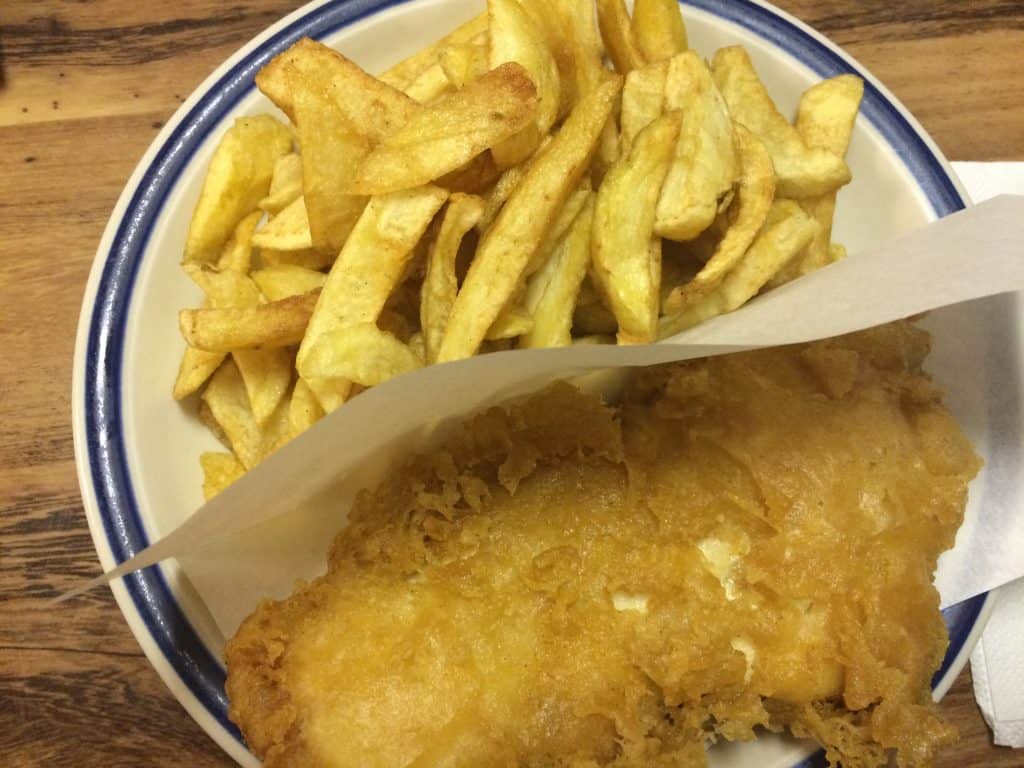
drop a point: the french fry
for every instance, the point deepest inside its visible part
(237, 179)
(778, 243)
(284, 280)
(267, 374)
(440, 284)
(658, 29)
(360, 353)
(228, 402)
(487, 111)
(287, 231)
(219, 471)
(507, 247)
(802, 171)
(643, 100)
(754, 199)
(583, 42)
(224, 289)
(617, 33)
(551, 293)
(591, 316)
(432, 83)
(511, 323)
(369, 106)
(627, 255)
(197, 365)
(285, 185)
(559, 227)
(464, 62)
(309, 258)
(303, 409)
(705, 166)
(265, 326)
(371, 264)
(403, 73)
(237, 253)
(475, 177)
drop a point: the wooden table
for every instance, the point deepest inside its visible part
(84, 89)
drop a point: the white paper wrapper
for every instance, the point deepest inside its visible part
(275, 524)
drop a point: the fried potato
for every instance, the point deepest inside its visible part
(475, 177)
(789, 231)
(440, 283)
(308, 258)
(500, 193)
(303, 408)
(551, 293)
(228, 402)
(824, 119)
(464, 62)
(591, 316)
(285, 185)
(284, 280)
(369, 106)
(360, 353)
(508, 245)
(754, 199)
(224, 289)
(487, 111)
(511, 323)
(267, 374)
(627, 255)
(219, 471)
(617, 33)
(515, 37)
(559, 227)
(371, 263)
(237, 253)
(802, 171)
(583, 43)
(705, 165)
(197, 365)
(658, 29)
(403, 73)
(265, 326)
(287, 231)
(431, 84)
(237, 179)
(643, 100)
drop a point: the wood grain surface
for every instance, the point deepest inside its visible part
(84, 87)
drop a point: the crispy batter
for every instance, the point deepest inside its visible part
(745, 541)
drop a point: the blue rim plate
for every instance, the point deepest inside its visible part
(150, 605)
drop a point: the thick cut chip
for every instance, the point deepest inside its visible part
(705, 165)
(284, 280)
(559, 227)
(778, 243)
(286, 184)
(372, 262)
(237, 179)
(287, 231)
(477, 176)
(197, 365)
(237, 253)
(464, 62)
(617, 33)
(303, 409)
(825, 120)
(749, 211)
(407, 70)
(445, 135)
(440, 283)
(371, 107)
(512, 323)
(643, 101)
(507, 247)
(219, 471)
(802, 171)
(267, 374)
(515, 37)
(224, 288)
(360, 353)
(583, 42)
(310, 258)
(551, 293)
(431, 84)
(500, 193)
(626, 253)
(228, 402)
(265, 326)
(658, 29)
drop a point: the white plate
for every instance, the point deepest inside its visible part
(136, 450)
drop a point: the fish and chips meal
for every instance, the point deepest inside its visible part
(735, 544)
(547, 174)
(741, 543)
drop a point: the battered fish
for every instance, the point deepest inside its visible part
(744, 542)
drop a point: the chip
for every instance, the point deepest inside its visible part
(267, 375)
(265, 326)
(617, 33)
(705, 167)
(749, 211)
(285, 185)
(237, 179)
(802, 171)
(464, 62)
(361, 353)
(287, 231)
(489, 110)
(406, 71)
(304, 409)
(643, 100)
(508, 245)
(285, 280)
(658, 29)
(228, 402)
(237, 253)
(626, 253)
(219, 471)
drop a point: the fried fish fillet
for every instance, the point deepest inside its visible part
(743, 542)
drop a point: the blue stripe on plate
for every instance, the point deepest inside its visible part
(149, 591)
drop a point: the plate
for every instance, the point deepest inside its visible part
(136, 451)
